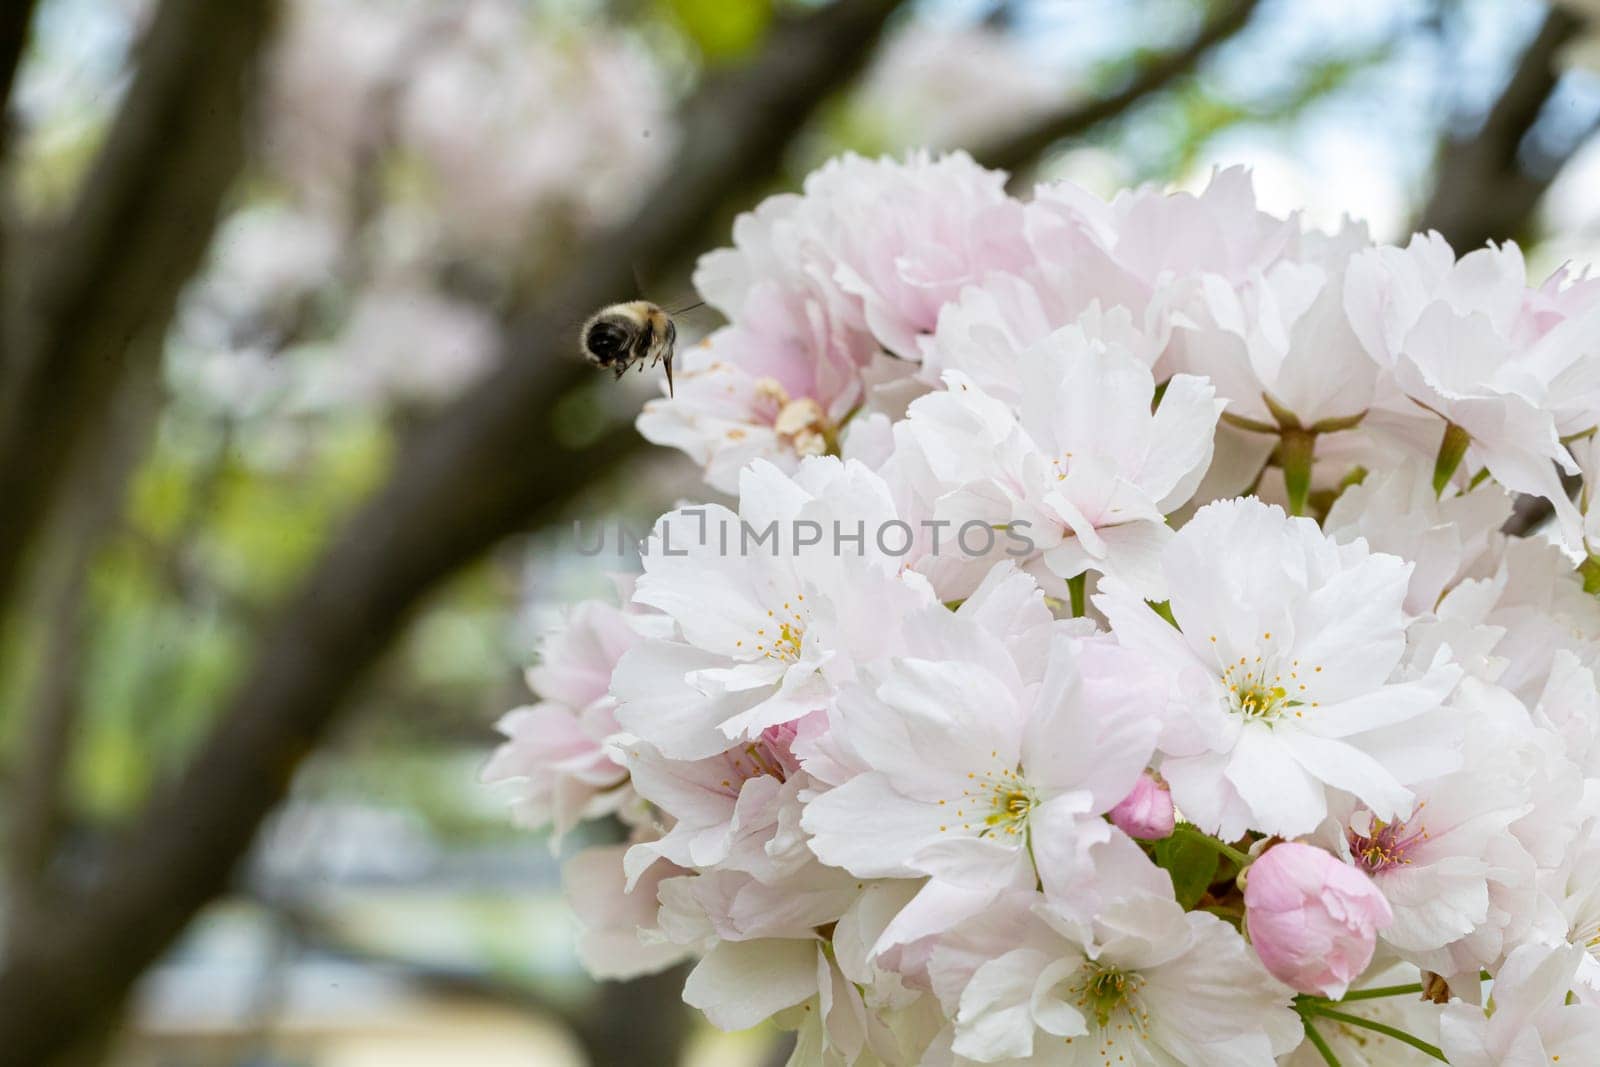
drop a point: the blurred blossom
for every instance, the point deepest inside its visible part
(420, 147)
(956, 86)
(236, 384)
(266, 264)
(331, 60)
(413, 345)
(521, 128)
(265, 260)
(514, 123)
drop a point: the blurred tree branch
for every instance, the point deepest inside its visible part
(140, 226)
(461, 483)
(15, 17)
(1025, 148)
(82, 527)
(1485, 189)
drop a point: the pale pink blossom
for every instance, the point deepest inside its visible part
(1468, 342)
(1146, 812)
(779, 382)
(904, 238)
(1396, 511)
(1147, 250)
(620, 937)
(1277, 342)
(1313, 919)
(557, 756)
(1081, 463)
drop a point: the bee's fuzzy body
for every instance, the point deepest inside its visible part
(624, 335)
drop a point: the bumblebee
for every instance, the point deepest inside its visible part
(635, 333)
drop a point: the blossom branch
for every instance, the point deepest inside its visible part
(1022, 149)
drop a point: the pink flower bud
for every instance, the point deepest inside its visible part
(1146, 813)
(1313, 919)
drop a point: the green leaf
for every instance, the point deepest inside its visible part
(722, 29)
(1192, 865)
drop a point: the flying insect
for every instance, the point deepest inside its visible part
(635, 333)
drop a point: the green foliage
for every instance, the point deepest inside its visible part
(1192, 865)
(722, 30)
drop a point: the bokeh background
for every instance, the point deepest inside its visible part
(293, 432)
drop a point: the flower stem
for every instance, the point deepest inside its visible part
(1451, 449)
(1194, 833)
(1320, 1042)
(1380, 991)
(1080, 600)
(1589, 570)
(1296, 450)
(1377, 1027)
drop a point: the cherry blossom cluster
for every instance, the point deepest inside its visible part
(407, 153)
(1256, 741)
